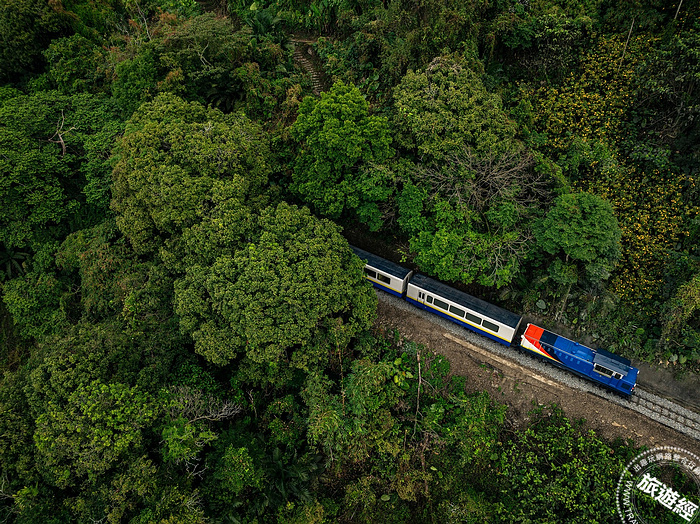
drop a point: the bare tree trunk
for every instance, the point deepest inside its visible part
(415, 422)
(678, 10)
(559, 315)
(627, 42)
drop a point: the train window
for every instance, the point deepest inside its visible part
(383, 278)
(439, 303)
(429, 300)
(457, 311)
(370, 273)
(603, 371)
(490, 326)
(473, 319)
(617, 376)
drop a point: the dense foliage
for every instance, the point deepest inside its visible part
(185, 335)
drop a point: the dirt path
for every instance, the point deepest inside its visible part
(519, 388)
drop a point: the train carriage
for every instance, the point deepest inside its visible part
(607, 369)
(486, 319)
(610, 370)
(384, 274)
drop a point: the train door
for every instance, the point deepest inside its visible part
(404, 284)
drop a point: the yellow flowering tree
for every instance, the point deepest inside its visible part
(606, 125)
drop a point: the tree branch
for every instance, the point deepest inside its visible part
(60, 132)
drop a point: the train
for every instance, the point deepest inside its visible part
(606, 369)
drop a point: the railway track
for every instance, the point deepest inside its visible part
(662, 410)
(666, 412)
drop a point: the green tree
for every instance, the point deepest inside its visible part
(235, 473)
(400, 433)
(352, 427)
(384, 39)
(34, 176)
(447, 108)
(17, 451)
(467, 203)
(665, 109)
(253, 479)
(96, 428)
(191, 414)
(340, 141)
(113, 281)
(176, 162)
(544, 41)
(680, 332)
(555, 471)
(108, 352)
(27, 27)
(581, 228)
(36, 302)
(76, 64)
(95, 395)
(135, 79)
(469, 217)
(456, 248)
(115, 498)
(581, 233)
(207, 59)
(54, 161)
(292, 295)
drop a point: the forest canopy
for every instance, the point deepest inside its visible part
(186, 335)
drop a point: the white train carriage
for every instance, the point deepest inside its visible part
(486, 319)
(384, 274)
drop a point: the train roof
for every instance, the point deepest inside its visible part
(475, 304)
(381, 264)
(612, 361)
(595, 356)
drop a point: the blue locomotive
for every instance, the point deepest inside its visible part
(607, 369)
